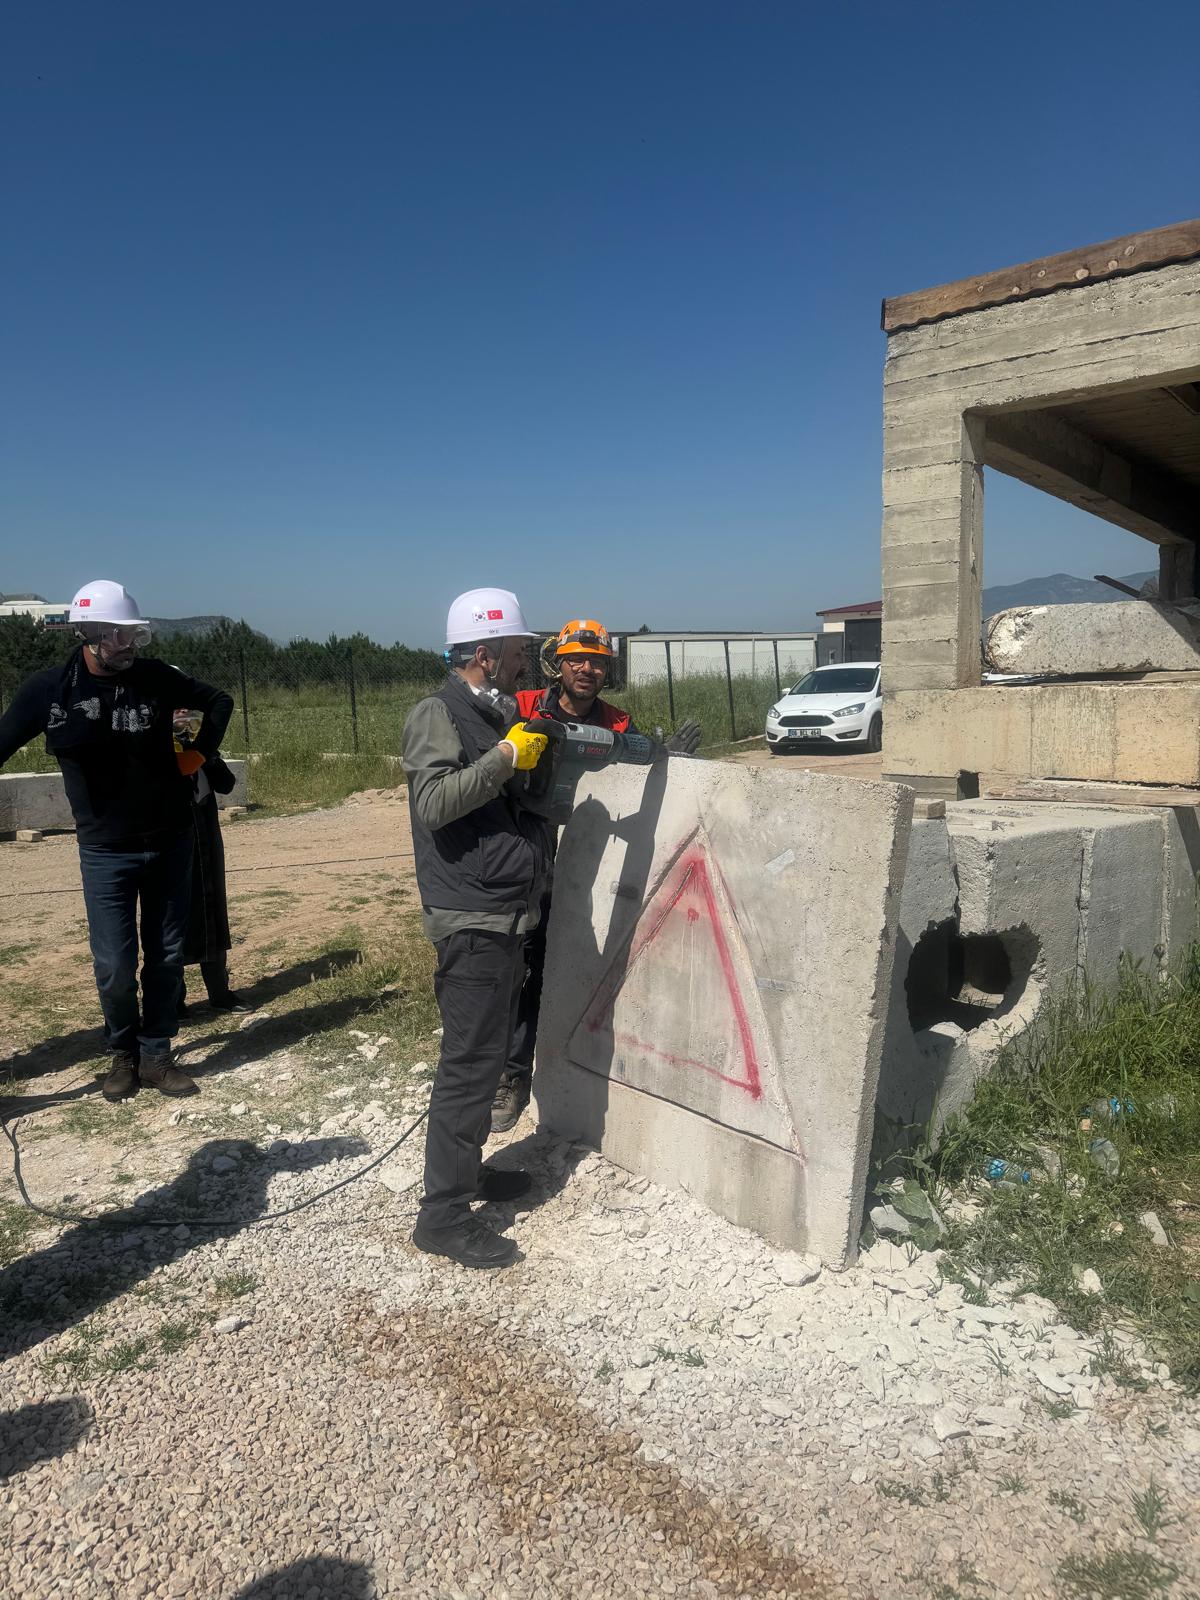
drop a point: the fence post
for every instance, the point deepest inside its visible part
(245, 701)
(778, 680)
(670, 688)
(729, 688)
(353, 697)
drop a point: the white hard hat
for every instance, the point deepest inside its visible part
(486, 614)
(105, 601)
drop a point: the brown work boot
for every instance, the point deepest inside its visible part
(161, 1073)
(512, 1096)
(121, 1080)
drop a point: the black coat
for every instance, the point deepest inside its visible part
(208, 919)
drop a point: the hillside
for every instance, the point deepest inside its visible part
(1059, 589)
(187, 624)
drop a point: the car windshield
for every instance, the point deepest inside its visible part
(837, 680)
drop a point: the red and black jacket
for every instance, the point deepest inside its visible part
(544, 703)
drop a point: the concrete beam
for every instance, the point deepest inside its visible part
(1042, 449)
(1090, 641)
(1143, 732)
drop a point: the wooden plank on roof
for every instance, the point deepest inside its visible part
(1114, 258)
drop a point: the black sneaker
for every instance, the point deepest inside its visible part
(499, 1183)
(511, 1099)
(471, 1244)
(121, 1080)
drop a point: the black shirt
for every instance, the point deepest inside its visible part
(113, 739)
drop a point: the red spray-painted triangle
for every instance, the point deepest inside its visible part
(687, 890)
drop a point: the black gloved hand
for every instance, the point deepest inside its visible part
(685, 741)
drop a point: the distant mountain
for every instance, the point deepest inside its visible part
(167, 625)
(1059, 589)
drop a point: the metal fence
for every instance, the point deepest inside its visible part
(349, 702)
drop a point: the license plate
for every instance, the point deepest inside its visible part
(804, 733)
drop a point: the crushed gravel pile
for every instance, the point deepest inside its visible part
(651, 1403)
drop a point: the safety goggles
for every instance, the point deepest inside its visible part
(118, 636)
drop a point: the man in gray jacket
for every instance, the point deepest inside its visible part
(482, 862)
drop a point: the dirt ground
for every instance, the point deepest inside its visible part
(293, 883)
(845, 766)
(247, 1383)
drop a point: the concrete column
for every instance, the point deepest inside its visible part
(932, 546)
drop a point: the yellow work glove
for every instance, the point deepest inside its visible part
(526, 747)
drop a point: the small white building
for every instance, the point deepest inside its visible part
(850, 633)
(50, 612)
(782, 656)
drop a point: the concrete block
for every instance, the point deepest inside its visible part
(30, 836)
(239, 795)
(1004, 904)
(1181, 846)
(917, 1059)
(717, 984)
(1127, 636)
(34, 800)
(1121, 893)
(1021, 867)
(39, 800)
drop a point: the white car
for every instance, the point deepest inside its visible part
(831, 705)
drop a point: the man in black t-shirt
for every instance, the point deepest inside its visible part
(107, 717)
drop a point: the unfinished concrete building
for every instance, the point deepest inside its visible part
(1079, 374)
(1064, 849)
(751, 972)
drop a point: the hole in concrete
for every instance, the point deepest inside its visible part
(967, 978)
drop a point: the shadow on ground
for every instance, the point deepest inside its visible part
(85, 1045)
(42, 1431)
(45, 1293)
(323, 1576)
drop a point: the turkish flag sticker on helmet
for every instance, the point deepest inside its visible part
(85, 600)
(495, 616)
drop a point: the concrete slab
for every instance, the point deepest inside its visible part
(717, 982)
(38, 800)
(1090, 640)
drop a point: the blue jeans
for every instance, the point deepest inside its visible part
(114, 881)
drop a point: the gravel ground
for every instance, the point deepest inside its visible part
(651, 1403)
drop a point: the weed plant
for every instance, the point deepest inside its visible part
(1050, 1097)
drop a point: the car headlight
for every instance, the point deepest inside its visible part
(851, 711)
(773, 714)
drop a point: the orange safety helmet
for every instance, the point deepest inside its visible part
(584, 637)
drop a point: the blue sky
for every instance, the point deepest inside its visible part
(320, 313)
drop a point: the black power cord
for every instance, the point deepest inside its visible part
(128, 1219)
